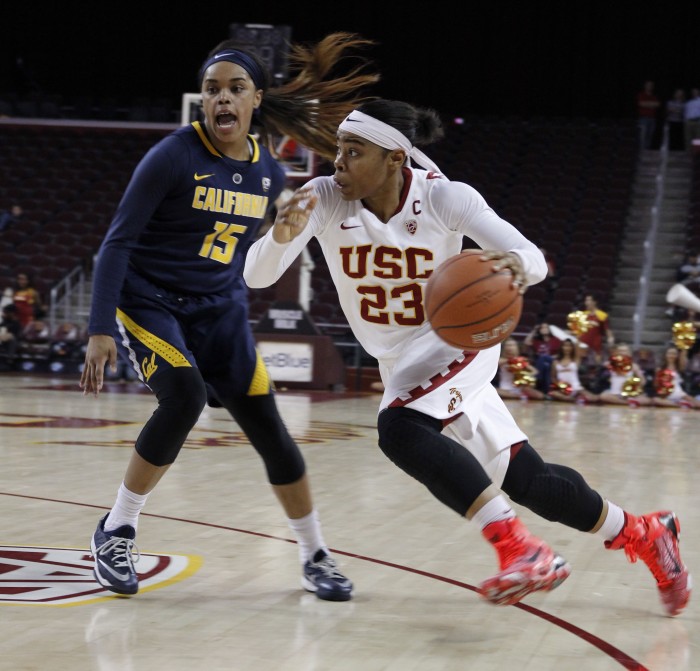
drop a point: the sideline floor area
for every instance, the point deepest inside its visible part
(220, 573)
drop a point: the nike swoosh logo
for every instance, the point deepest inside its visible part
(116, 574)
(200, 177)
(346, 228)
(354, 120)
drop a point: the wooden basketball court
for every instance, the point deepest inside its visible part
(220, 585)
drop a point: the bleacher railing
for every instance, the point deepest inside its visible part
(68, 300)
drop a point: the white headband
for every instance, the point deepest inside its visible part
(384, 135)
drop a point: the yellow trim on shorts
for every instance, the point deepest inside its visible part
(261, 383)
(163, 349)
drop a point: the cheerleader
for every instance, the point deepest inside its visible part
(626, 379)
(516, 375)
(566, 384)
(668, 381)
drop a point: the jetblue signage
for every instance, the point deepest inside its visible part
(288, 361)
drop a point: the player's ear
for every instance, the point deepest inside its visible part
(397, 158)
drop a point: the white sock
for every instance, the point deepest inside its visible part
(613, 523)
(126, 509)
(307, 530)
(493, 511)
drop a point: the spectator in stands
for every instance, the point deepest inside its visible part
(669, 381)
(688, 273)
(647, 110)
(542, 346)
(27, 300)
(10, 336)
(692, 118)
(645, 358)
(168, 287)
(692, 372)
(517, 377)
(6, 297)
(675, 120)
(441, 419)
(566, 384)
(11, 217)
(598, 337)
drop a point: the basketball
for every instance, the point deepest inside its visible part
(469, 305)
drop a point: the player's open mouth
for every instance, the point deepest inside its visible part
(225, 120)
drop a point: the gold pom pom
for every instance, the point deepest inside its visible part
(524, 378)
(632, 387)
(684, 335)
(577, 322)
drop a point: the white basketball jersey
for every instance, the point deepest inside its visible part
(380, 271)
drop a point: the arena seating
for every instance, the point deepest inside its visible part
(68, 181)
(565, 183)
(693, 224)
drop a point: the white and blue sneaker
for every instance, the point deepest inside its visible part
(115, 554)
(321, 575)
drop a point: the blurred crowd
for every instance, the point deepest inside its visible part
(584, 364)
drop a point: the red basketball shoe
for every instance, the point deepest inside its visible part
(527, 564)
(653, 538)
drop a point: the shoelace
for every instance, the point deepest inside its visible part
(513, 549)
(630, 548)
(330, 568)
(648, 552)
(123, 549)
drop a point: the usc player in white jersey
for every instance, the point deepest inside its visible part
(384, 225)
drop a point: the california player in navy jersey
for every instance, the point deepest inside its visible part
(384, 225)
(168, 287)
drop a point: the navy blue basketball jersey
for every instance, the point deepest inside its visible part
(185, 221)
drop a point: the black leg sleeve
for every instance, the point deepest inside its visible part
(414, 442)
(181, 395)
(260, 420)
(557, 493)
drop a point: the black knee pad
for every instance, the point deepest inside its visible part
(181, 395)
(404, 435)
(546, 494)
(415, 443)
(557, 493)
(396, 426)
(260, 420)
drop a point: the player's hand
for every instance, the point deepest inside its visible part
(510, 261)
(101, 350)
(293, 216)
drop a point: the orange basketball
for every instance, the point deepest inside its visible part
(469, 305)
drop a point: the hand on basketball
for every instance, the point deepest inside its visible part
(510, 261)
(293, 216)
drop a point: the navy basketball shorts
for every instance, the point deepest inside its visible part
(210, 333)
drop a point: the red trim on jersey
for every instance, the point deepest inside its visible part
(515, 448)
(407, 180)
(436, 381)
